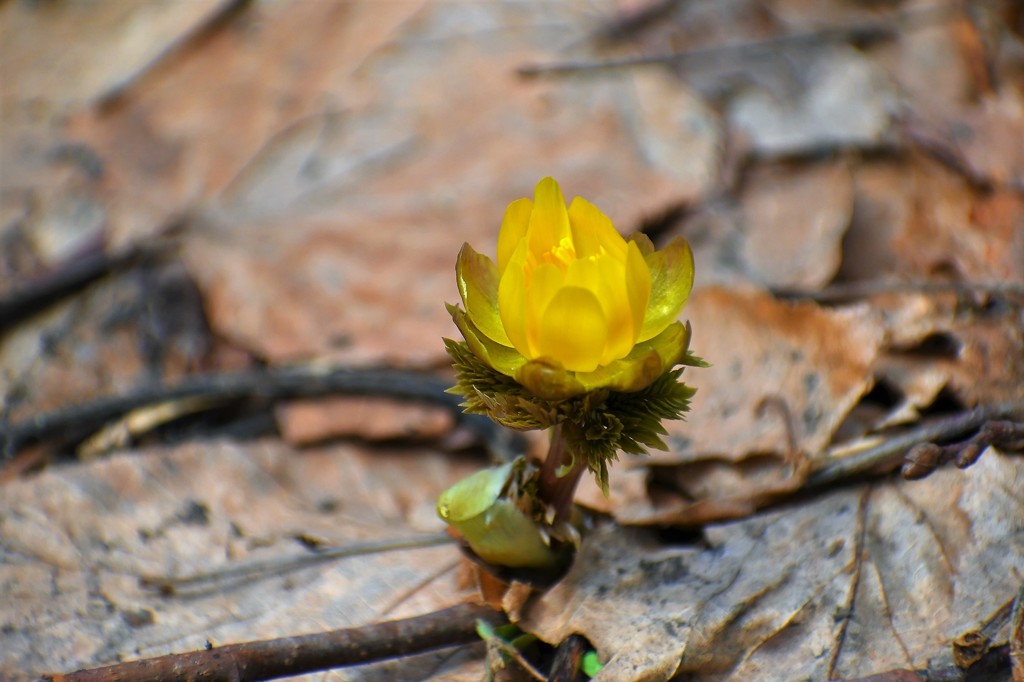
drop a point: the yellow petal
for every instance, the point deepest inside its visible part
(549, 221)
(545, 281)
(671, 271)
(646, 362)
(513, 230)
(593, 231)
(477, 277)
(512, 300)
(573, 330)
(606, 277)
(638, 286)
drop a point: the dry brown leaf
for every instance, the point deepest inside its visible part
(794, 224)
(990, 135)
(305, 422)
(955, 228)
(773, 365)
(91, 51)
(76, 540)
(846, 101)
(817, 361)
(185, 133)
(850, 584)
(395, 191)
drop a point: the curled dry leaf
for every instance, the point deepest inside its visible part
(854, 582)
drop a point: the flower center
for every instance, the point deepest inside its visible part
(562, 255)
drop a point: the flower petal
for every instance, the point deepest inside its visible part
(478, 285)
(593, 231)
(646, 362)
(638, 286)
(605, 275)
(545, 281)
(638, 370)
(501, 358)
(512, 299)
(671, 271)
(513, 230)
(549, 221)
(573, 330)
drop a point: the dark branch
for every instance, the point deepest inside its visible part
(268, 384)
(38, 294)
(288, 656)
(876, 31)
(890, 454)
(923, 459)
(856, 291)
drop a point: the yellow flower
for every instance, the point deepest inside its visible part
(571, 306)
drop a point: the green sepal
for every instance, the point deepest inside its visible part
(596, 424)
(672, 273)
(485, 509)
(477, 277)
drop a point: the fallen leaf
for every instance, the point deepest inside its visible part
(92, 51)
(78, 538)
(305, 422)
(846, 101)
(856, 581)
(816, 361)
(794, 224)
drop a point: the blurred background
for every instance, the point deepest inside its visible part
(206, 186)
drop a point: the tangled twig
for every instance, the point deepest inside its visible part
(924, 458)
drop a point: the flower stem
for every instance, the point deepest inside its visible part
(555, 491)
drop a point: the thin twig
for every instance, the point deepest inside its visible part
(941, 146)
(268, 384)
(245, 572)
(632, 21)
(855, 291)
(883, 29)
(889, 454)
(288, 656)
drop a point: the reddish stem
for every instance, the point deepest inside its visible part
(555, 491)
